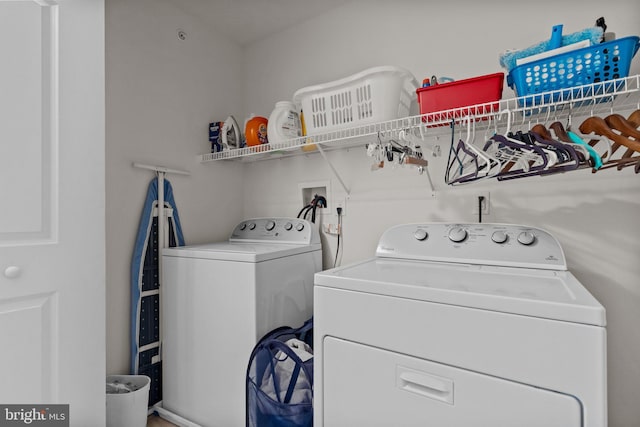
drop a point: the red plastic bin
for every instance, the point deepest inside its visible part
(462, 93)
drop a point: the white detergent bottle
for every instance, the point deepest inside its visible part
(284, 122)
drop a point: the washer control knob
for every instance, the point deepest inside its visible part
(288, 226)
(300, 227)
(252, 226)
(457, 234)
(420, 234)
(526, 238)
(243, 226)
(270, 225)
(499, 236)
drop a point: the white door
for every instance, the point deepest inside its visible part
(52, 267)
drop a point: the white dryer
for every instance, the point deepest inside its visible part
(219, 299)
(459, 325)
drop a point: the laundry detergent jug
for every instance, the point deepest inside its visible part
(255, 130)
(284, 122)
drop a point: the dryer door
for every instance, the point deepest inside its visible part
(367, 386)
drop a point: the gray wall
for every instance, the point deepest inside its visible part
(161, 94)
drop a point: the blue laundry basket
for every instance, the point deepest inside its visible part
(598, 63)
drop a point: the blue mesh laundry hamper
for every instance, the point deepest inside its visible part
(280, 379)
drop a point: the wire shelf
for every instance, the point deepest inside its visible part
(593, 99)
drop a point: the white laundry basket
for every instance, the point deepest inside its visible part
(127, 400)
(374, 95)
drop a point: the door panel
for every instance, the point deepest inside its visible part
(29, 370)
(29, 120)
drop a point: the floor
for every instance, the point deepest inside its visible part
(156, 421)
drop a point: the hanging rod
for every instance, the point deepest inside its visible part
(160, 169)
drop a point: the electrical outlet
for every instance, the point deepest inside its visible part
(485, 203)
(340, 203)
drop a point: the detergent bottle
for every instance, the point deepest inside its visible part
(284, 122)
(255, 130)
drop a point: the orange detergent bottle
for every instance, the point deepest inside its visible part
(255, 131)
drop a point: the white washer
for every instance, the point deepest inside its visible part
(219, 299)
(459, 325)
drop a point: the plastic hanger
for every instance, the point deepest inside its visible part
(579, 145)
(483, 161)
(462, 166)
(506, 154)
(557, 133)
(488, 165)
(633, 122)
(506, 159)
(591, 140)
(560, 131)
(590, 154)
(518, 137)
(634, 118)
(567, 154)
(619, 123)
(600, 127)
(486, 132)
(595, 161)
(464, 163)
(527, 159)
(542, 131)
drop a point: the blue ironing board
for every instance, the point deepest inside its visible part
(145, 286)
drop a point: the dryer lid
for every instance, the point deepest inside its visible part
(549, 294)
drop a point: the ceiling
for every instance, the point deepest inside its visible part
(247, 21)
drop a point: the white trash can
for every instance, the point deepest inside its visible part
(127, 400)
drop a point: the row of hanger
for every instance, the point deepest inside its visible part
(598, 143)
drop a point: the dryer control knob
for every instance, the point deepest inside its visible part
(499, 236)
(243, 226)
(270, 225)
(252, 226)
(457, 234)
(300, 227)
(526, 238)
(420, 234)
(288, 226)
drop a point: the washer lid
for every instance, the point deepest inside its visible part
(239, 251)
(548, 294)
